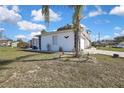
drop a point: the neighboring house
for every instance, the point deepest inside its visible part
(120, 45)
(63, 38)
(5, 42)
(104, 43)
(14, 44)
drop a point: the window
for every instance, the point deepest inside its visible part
(54, 39)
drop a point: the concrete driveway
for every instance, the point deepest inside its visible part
(105, 52)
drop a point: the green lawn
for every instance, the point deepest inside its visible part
(111, 49)
(29, 69)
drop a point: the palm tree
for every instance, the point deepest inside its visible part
(76, 23)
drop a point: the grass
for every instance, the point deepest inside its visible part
(29, 69)
(111, 49)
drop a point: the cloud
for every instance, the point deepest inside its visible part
(118, 10)
(117, 28)
(98, 11)
(119, 33)
(29, 36)
(106, 37)
(82, 25)
(85, 27)
(37, 15)
(2, 29)
(116, 34)
(9, 15)
(101, 21)
(94, 37)
(15, 8)
(33, 34)
(20, 36)
(29, 26)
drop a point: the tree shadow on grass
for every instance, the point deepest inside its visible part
(22, 59)
(6, 62)
(26, 56)
(5, 68)
(35, 51)
(40, 60)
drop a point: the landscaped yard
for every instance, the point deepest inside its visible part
(29, 69)
(111, 49)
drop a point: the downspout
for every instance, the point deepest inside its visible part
(40, 43)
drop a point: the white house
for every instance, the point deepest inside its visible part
(14, 44)
(120, 45)
(63, 38)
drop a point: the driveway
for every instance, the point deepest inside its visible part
(105, 52)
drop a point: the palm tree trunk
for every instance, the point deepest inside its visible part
(77, 38)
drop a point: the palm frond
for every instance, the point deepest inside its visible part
(46, 13)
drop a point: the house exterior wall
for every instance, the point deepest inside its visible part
(64, 39)
(82, 43)
(14, 44)
(67, 44)
(86, 43)
(35, 42)
(85, 37)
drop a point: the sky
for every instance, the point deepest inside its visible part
(26, 21)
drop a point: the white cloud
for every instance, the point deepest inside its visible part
(26, 25)
(20, 36)
(94, 13)
(118, 10)
(82, 25)
(33, 34)
(2, 29)
(106, 37)
(15, 8)
(98, 11)
(94, 37)
(119, 33)
(37, 15)
(29, 36)
(117, 28)
(9, 15)
(116, 34)
(101, 21)
(122, 32)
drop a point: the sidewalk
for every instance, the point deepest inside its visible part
(105, 52)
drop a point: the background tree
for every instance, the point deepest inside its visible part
(119, 39)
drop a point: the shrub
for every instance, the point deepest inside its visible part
(22, 45)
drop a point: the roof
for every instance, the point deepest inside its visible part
(57, 32)
(67, 28)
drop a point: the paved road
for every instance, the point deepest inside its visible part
(95, 51)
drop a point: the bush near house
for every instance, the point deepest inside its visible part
(119, 39)
(22, 45)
